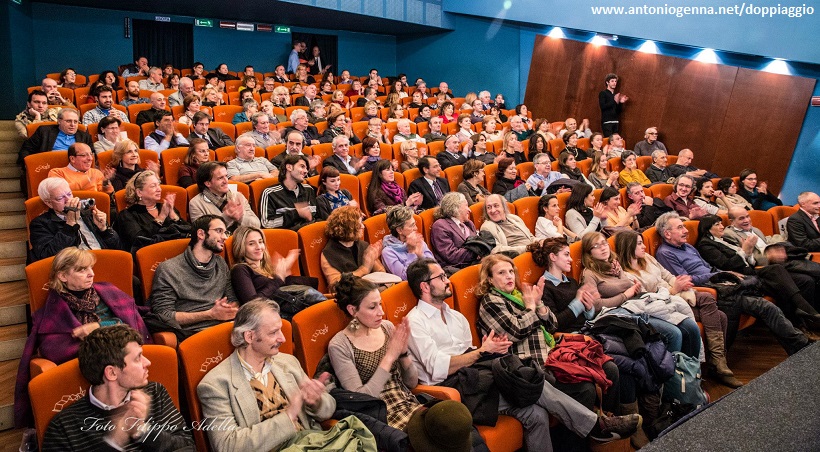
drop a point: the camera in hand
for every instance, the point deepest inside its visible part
(85, 204)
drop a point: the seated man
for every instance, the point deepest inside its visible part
(263, 135)
(404, 133)
(299, 119)
(435, 130)
(679, 198)
(165, 135)
(741, 230)
(132, 94)
(571, 126)
(105, 107)
(658, 172)
(684, 166)
(650, 143)
(430, 185)
(279, 75)
(55, 99)
(215, 137)
(56, 138)
(441, 345)
(268, 85)
(341, 158)
(543, 175)
(36, 111)
(262, 398)
(216, 198)
(370, 95)
(64, 224)
(246, 167)
(308, 97)
(291, 203)
(294, 143)
(651, 208)
(444, 88)
(193, 291)
(154, 80)
(451, 155)
(186, 88)
(681, 258)
(158, 105)
(318, 111)
(139, 68)
(804, 227)
(519, 129)
(80, 172)
(138, 414)
(344, 78)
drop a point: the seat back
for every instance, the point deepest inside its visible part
(149, 257)
(55, 390)
(779, 216)
(661, 191)
(490, 176)
(435, 147)
(525, 170)
(454, 175)
(528, 271)
(312, 241)
(313, 328)
(643, 162)
(409, 176)
(556, 146)
(527, 209)
(277, 241)
(38, 165)
(575, 254)
(397, 301)
(225, 113)
(427, 220)
(226, 127)
(692, 227)
(257, 187)
(465, 282)
(375, 227)
(764, 221)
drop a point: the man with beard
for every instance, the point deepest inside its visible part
(193, 291)
(132, 95)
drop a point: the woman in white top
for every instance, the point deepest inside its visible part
(489, 129)
(581, 217)
(549, 222)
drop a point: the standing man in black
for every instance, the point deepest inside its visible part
(610, 103)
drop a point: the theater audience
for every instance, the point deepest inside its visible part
(568, 166)
(631, 173)
(80, 173)
(56, 137)
(730, 198)
(410, 152)
(291, 203)
(472, 184)
(125, 163)
(507, 182)
(650, 143)
(679, 198)
(36, 111)
(704, 192)
(658, 172)
(197, 155)
(109, 134)
(431, 186)
(584, 215)
(165, 135)
(599, 176)
(146, 220)
(549, 223)
(509, 231)
(803, 226)
(216, 198)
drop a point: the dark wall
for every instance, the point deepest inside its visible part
(732, 118)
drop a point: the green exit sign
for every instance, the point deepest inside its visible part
(204, 23)
(282, 29)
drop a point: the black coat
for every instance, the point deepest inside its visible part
(216, 138)
(421, 185)
(49, 234)
(43, 141)
(721, 256)
(802, 232)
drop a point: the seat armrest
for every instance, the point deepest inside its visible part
(439, 392)
(165, 338)
(707, 290)
(40, 365)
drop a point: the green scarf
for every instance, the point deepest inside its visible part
(518, 298)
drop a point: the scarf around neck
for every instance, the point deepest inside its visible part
(393, 191)
(83, 306)
(518, 298)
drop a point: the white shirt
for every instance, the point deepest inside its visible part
(432, 342)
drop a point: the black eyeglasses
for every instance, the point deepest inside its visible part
(441, 277)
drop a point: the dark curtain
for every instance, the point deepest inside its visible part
(327, 46)
(164, 42)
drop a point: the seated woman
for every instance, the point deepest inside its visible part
(330, 196)
(249, 108)
(172, 81)
(617, 216)
(513, 148)
(790, 290)
(542, 128)
(673, 319)
(110, 78)
(338, 98)
(704, 191)
(355, 89)
(404, 244)
(255, 274)
(372, 153)
(598, 174)
(212, 98)
(549, 222)
(411, 153)
(596, 143)
(499, 115)
(450, 230)
(465, 131)
(447, 112)
(384, 192)
(371, 110)
(568, 165)
(147, 220)
(370, 357)
(581, 217)
(730, 198)
(68, 79)
(417, 101)
(192, 104)
(74, 307)
(507, 182)
(471, 187)
(653, 276)
(488, 128)
(198, 153)
(631, 173)
(345, 250)
(395, 112)
(571, 142)
(339, 124)
(515, 310)
(756, 194)
(391, 100)
(479, 150)
(108, 134)
(538, 145)
(125, 163)
(509, 231)
(326, 88)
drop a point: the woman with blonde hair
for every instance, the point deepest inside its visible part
(599, 176)
(125, 163)
(147, 220)
(198, 153)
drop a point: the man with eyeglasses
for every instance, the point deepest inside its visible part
(64, 224)
(650, 143)
(80, 173)
(680, 201)
(56, 137)
(308, 98)
(193, 291)
(215, 137)
(441, 347)
(543, 176)
(294, 143)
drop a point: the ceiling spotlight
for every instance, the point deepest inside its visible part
(597, 40)
(648, 47)
(778, 66)
(707, 56)
(557, 33)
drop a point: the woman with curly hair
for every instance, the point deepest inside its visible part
(345, 250)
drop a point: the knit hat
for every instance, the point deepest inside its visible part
(444, 427)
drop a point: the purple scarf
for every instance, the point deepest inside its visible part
(393, 191)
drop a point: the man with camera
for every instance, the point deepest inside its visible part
(69, 221)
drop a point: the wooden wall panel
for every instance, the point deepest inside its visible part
(704, 107)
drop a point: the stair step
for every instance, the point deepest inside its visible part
(8, 375)
(8, 171)
(15, 204)
(14, 303)
(12, 269)
(13, 235)
(12, 220)
(8, 158)
(10, 146)
(9, 135)
(12, 341)
(10, 185)
(10, 250)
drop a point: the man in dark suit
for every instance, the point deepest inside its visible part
(430, 185)
(158, 104)
(299, 119)
(56, 138)
(341, 158)
(803, 227)
(451, 156)
(215, 137)
(308, 98)
(370, 94)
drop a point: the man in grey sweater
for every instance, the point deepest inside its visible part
(193, 291)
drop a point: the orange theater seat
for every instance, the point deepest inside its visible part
(312, 241)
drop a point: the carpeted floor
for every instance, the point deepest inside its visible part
(778, 411)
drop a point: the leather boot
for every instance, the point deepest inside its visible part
(650, 407)
(716, 355)
(639, 438)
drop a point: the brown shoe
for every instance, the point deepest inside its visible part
(611, 428)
